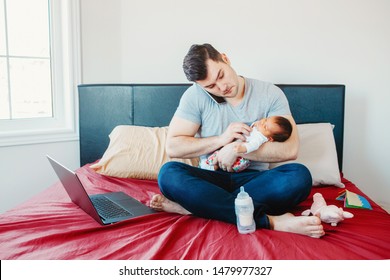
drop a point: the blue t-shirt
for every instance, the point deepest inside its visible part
(261, 100)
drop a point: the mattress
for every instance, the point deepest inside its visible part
(50, 226)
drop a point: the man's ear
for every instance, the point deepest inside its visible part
(225, 58)
(270, 139)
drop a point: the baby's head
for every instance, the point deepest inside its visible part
(275, 128)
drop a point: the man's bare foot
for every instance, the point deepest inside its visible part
(310, 226)
(161, 203)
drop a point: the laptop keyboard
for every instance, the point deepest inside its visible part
(108, 209)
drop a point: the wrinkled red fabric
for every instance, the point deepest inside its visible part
(50, 226)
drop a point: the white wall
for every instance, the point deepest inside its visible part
(25, 171)
(282, 41)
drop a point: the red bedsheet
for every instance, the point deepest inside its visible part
(50, 226)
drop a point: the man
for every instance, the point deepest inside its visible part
(213, 114)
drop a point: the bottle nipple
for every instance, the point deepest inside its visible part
(242, 193)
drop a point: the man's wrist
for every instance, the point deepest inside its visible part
(222, 142)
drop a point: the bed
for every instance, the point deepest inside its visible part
(50, 226)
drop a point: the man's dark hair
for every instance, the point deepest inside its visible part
(285, 129)
(194, 63)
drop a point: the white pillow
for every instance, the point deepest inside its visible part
(318, 153)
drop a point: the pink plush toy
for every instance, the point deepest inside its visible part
(327, 213)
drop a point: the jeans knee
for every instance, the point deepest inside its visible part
(303, 171)
(165, 172)
(299, 175)
(168, 174)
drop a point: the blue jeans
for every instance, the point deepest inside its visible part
(211, 194)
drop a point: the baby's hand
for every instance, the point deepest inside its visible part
(240, 149)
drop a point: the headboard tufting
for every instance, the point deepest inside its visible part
(104, 106)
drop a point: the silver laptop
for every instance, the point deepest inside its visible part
(105, 208)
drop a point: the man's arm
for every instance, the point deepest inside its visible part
(182, 143)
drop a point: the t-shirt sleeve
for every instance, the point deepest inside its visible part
(188, 108)
(278, 102)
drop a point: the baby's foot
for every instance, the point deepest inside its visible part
(310, 226)
(161, 203)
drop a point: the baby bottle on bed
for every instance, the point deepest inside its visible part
(244, 212)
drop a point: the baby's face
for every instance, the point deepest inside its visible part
(267, 126)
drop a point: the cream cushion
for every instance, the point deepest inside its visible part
(136, 152)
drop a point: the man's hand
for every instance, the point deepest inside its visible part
(227, 156)
(235, 131)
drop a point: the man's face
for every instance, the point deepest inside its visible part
(221, 79)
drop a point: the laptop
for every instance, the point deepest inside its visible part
(106, 208)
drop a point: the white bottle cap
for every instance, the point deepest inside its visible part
(243, 197)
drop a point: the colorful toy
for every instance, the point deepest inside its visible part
(327, 213)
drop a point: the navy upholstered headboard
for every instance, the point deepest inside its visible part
(104, 106)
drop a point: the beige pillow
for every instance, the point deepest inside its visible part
(318, 153)
(136, 152)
